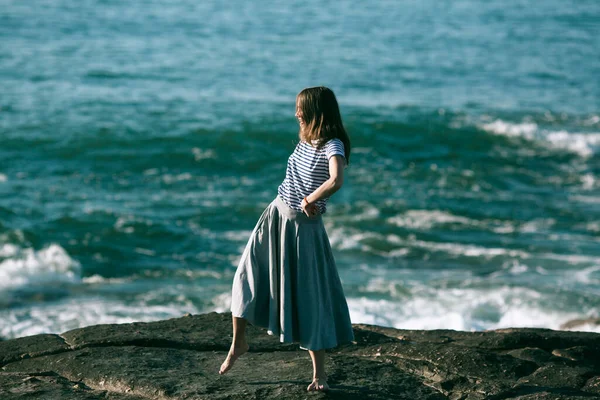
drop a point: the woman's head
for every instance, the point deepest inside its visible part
(318, 112)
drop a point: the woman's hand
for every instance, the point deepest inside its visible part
(310, 209)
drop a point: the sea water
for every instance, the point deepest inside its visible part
(141, 140)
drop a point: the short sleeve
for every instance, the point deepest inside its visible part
(334, 147)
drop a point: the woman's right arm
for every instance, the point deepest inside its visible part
(333, 184)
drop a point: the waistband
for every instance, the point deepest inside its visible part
(290, 213)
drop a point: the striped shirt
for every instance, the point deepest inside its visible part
(307, 169)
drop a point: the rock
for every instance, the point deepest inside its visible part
(580, 354)
(558, 376)
(31, 346)
(593, 385)
(534, 354)
(49, 385)
(179, 358)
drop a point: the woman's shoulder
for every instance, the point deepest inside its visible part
(334, 143)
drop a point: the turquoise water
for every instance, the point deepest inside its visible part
(140, 142)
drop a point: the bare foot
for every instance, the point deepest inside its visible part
(318, 385)
(234, 353)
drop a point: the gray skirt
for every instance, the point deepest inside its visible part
(287, 281)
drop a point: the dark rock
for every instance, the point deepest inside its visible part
(533, 354)
(580, 355)
(546, 339)
(31, 346)
(49, 385)
(552, 395)
(592, 385)
(558, 376)
(179, 359)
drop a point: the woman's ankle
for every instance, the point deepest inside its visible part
(239, 343)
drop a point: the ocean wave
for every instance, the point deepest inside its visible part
(96, 278)
(589, 275)
(170, 178)
(129, 223)
(467, 309)
(26, 266)
(353, 239)
(592, 120)
(459, 309)
(77, 312)
(427, 219)
(583, 144)
(200, 154)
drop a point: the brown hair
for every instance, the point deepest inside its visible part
(322, 119)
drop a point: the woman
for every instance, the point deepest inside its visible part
(287, 279)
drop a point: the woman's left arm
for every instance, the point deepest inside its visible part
(331, 185)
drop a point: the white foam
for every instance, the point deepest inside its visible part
(588, 181)
(469, 309)
(362, 211)
(3, 178)
(151, 171)
(241, 236)
(169, 178)
(146, 252)
(77, 313)
(537, 225)
(349, 238)
(367, 213)
(427, 219)
(517, 268)
(430, 219)
(572, 259)
(27, 266)
(344, 239)
(592, 120)
(586, 199)
(221, 302)
(405, 314)
(525, 316)
(541, 270)
(584, 144)
(362, 150)
(8, 250)
(120, 225)
(586, 275)
(468, 250)
(195, 274)
(93, 279)
(200, 154)
(500, 127)
(593, 226)
(123, 223)
(586, 328)
(407, 307)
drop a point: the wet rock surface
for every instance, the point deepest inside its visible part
(179, 359)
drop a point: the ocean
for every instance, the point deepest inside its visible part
(140, 141)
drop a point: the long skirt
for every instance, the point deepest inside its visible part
(287, 281)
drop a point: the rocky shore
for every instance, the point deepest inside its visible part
(179, 359)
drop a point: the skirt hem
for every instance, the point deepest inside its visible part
(282, 337)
